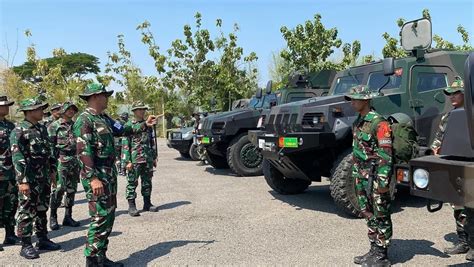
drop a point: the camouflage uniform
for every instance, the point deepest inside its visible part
(372, 155)
(8, 188)
(64, 150)
(138, 149)
(96, 152)
(33, 161)
(459, 211)
(50, 119)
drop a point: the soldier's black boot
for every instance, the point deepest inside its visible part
(45, 244)
(53, 220)
(27, 250)
(379, 258)
(1, 247)
(10, 237)
(94, 262)
(147, 206)
(459, 248)
(361, 259)
(132, 208)
(68, 220)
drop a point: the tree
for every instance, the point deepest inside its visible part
(189, 69)
(310, 45)
(392, 47)
(280, 70)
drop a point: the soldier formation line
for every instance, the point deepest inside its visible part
(90, 149)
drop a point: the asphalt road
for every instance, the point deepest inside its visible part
(210, 217)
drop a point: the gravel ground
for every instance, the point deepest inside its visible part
(210, 217)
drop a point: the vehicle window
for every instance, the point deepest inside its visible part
(343, 84)
(254, 102)
(429, 81)
(298, 98)
(268, 99)
(377, 79)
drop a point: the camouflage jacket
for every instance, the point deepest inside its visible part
(438, 140)
(140, 146)
(372, 141)
(64, 142)
(6, 165)
(47, 121)
(31, 152)
(95, 144)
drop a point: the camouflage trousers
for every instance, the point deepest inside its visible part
(102, 213)
(143, 171)
(8, 202)
(32, 209)
(202, 152)
(67, 179)
(376, 211)
(469, 226)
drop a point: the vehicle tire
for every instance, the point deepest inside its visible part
(184, 155)
(193, 152)
(279, 183)
(217, 162)
(243, 157)
(342, 185)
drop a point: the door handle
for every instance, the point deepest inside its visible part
(416, 103)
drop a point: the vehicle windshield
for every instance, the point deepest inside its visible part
(343, 84)
(377, 79)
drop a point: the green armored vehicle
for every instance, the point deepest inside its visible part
(449, 177)
(307, 140)
(225, 135)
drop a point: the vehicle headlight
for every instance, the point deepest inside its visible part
(187, 135)
(421, 178)
(318, 120)
(176, 135)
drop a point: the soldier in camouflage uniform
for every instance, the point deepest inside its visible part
(372, 158)
(95, 131)
(455, 93)
(53, 115)
(64, 149)
(139, 157)
(118, 145)
(33, 162)
(8, 188)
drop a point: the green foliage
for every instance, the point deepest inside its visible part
(393, 49)
(310, 45)
(74, 64)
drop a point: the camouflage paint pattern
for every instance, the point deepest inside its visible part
(96, 152)
(138, 149)
(8, 188)
(32, 160)
(64, 149)
(372, 141)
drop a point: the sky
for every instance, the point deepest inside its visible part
(92, 26)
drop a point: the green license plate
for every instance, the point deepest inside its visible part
(206, 140)
(291, 142)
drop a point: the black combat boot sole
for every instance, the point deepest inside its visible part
(29, 257)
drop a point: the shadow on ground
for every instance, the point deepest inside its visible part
(318, 198)
(403, 250)
(226, 172)
(145, 256)
(173, 205)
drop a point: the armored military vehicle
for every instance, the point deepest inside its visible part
(449, 177)
(181, 139)
(225, 135)
(307, 140)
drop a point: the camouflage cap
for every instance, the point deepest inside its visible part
(139, 105)
(68, 105)
(456, 86)
(55, 106)
(32, 104)
(95, 89)
(4, 101)
(359, 92)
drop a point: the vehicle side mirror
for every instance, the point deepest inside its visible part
(416, 34)
(469, 94)
(258, 94)
(268, 89)
(388, 66)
